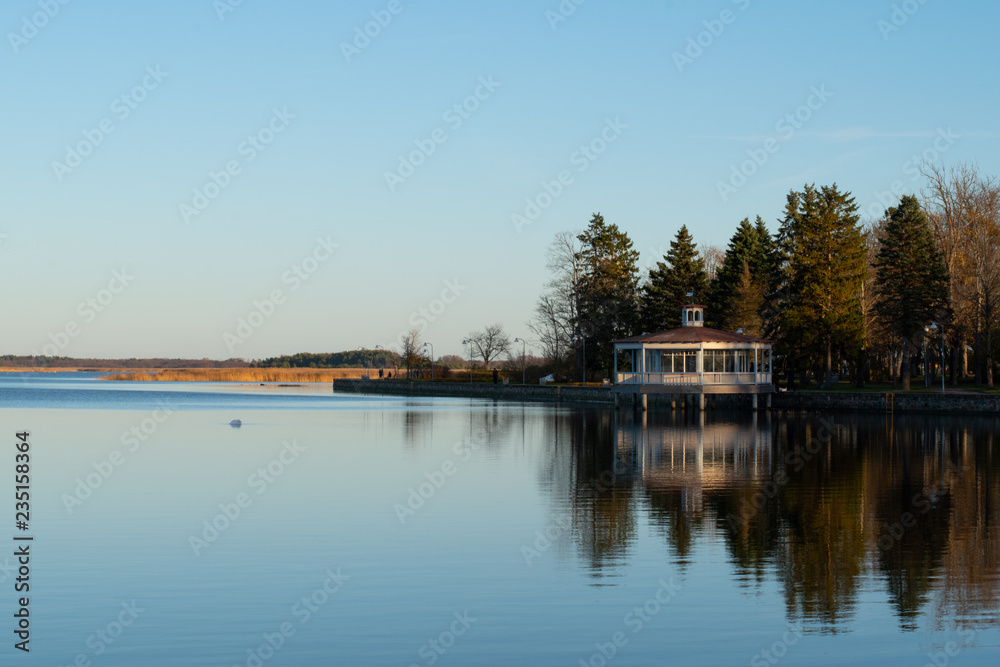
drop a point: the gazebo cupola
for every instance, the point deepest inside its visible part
(693, 316)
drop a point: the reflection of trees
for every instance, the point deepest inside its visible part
(821, 555)
(590, 486)
(603, 510)
(911, 499)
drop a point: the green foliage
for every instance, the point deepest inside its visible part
(818, 268)
(349, 359)
(665, 293)
(750, 248)
(913, 281)
(608, 289)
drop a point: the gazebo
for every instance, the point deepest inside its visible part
(693, 359)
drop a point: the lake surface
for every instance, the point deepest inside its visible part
(343, 529)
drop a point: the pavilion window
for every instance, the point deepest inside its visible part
(715, 361)
(730, 361)
(690, 362)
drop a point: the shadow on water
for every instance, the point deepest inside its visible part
(827, 507)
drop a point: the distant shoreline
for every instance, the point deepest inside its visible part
(120, 374)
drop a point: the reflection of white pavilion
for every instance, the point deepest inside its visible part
(694, 459)
(693, 359)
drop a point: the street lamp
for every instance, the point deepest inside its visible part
(933, 327)
(523, 371)
(579, 338)
(466, 343)
(432, 359)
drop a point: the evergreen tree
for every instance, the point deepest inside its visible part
(681, 272)
(912, 279)
(748, 302)
(818, 268)
(749, 247)
(608, 290)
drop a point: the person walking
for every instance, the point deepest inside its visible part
(496, 376)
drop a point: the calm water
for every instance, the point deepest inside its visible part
(454, 532)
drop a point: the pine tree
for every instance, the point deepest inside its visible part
(748, 302)
(682, 272)
(750, 246)
(609, 290)
(818, 268)
(912, 279)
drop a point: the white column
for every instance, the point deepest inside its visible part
(756, 366)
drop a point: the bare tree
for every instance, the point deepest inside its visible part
(557, 311)
(964, 208)
(489, 343)
(408, 347)
(713, 257)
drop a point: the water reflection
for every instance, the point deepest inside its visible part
(826, 508)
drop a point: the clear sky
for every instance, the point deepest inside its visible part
(670, 98)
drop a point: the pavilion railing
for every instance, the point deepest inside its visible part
(684, 379)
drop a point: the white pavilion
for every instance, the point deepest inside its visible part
(693, 359)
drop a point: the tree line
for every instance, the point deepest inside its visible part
(874, 302)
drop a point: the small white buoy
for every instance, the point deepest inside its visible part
(236, 423)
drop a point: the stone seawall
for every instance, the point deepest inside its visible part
(802, 400)
(476, 390)
(877, 402)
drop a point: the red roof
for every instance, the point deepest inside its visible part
(693, 335)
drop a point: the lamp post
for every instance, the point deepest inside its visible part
(583, 339)
(465, 343)
(432, 359)
(934, 326)
(523, 371)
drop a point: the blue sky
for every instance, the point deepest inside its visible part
(873, 84)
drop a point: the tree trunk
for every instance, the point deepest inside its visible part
(955, 361)
(906, 366)
(828, 367)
